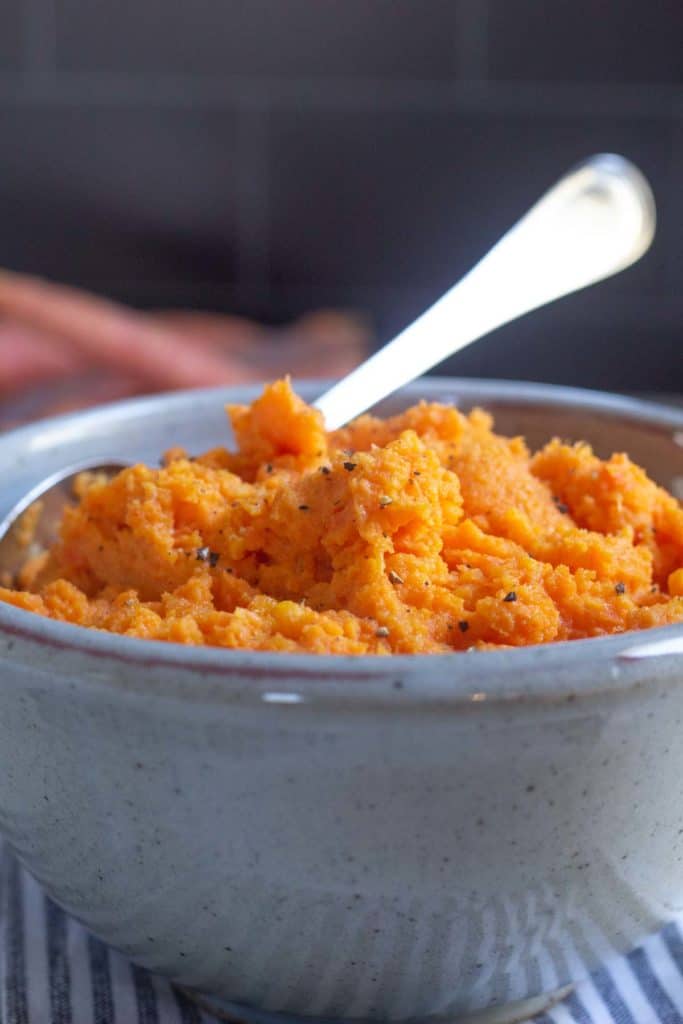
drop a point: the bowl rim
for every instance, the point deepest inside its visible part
(549, 671)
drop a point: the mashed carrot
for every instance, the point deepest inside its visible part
(426, 532)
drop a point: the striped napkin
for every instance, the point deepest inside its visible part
(52, 971)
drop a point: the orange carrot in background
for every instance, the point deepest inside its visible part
(114, 335)
(323, 344)
(89, 349)
(28, 356)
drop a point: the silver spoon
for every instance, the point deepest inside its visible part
(53, 493)
(596, 221)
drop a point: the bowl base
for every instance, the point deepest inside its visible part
(511, 1013)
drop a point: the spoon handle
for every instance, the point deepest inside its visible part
(596, 221)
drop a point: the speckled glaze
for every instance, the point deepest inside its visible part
(387, 839)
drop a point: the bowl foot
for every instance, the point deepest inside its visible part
(511, 1013)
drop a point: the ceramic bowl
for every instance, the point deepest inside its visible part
(348, 838)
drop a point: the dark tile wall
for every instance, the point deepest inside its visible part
(11, 35)
(265, 156)
(560, 41)
(393, 38)
(107, 194)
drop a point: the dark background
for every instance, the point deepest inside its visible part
(268, 156)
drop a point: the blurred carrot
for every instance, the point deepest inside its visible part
(322, 344)
(28, 356)
(62, 348)
(114, 334)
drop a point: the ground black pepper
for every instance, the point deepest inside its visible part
(463, 625)
(207, 555)
(349, 466)
(620, 588)
(510, 597)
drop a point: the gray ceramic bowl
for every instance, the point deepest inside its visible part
(347, 837)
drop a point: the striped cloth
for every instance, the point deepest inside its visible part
(52, 971)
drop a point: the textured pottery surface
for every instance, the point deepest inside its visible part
(337, 837)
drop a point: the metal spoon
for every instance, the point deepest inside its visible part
(596, 221)
(54, 493)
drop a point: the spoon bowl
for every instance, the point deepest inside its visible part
(29, 528)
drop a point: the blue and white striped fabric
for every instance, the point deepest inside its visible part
(52, 971)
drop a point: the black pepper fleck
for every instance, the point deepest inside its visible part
(349, 466)
(205, 554)
(304, 508)
(560, 505)
(269, 468)
(463, 625)
(510, 597)
(394, 577)
(620, 588)
(325, 470)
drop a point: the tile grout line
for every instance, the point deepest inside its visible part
(62, 88)
(472, 40)
(40, 39)
(634, 310)
(252, 194)
(673, 268)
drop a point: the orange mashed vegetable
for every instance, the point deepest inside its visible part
(424, 533)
